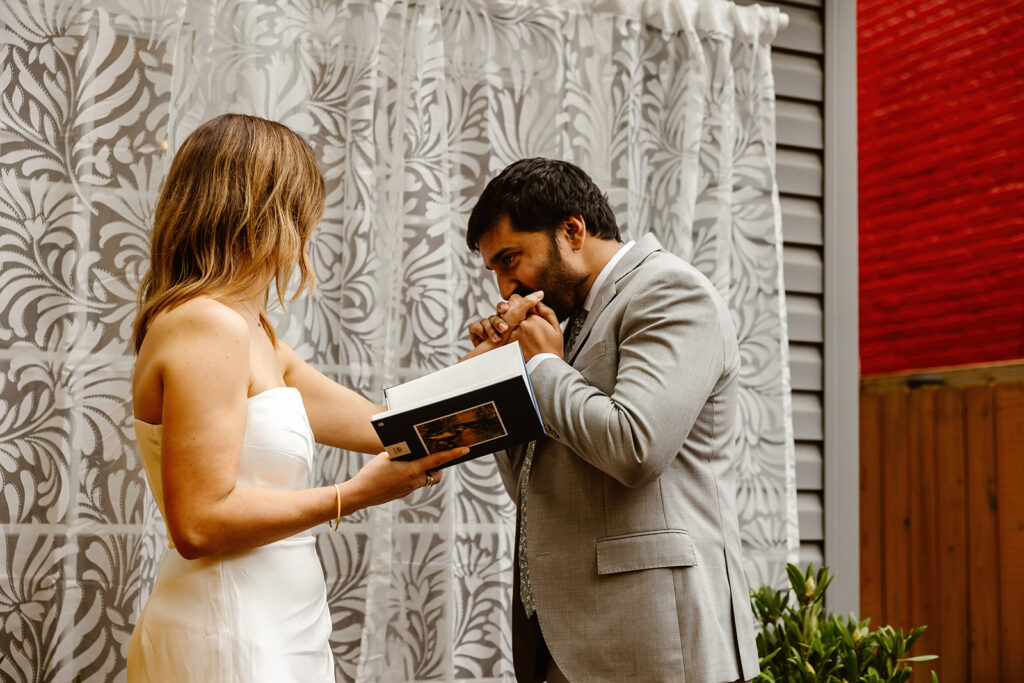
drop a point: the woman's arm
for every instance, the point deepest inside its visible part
(204, 371)
(339, 416)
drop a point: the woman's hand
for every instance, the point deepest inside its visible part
(497, 328)
(382, 479)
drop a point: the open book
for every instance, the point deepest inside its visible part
(485, 402)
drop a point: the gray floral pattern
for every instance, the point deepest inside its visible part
(410, 107)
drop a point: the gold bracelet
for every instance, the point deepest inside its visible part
(333, 526)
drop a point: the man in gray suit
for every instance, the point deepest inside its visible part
(628, 559)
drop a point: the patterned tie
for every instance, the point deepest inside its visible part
(525, 587)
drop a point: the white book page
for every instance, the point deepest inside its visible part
(487, 368)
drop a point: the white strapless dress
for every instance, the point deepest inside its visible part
(259, 615)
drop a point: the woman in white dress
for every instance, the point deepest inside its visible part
(226, 416)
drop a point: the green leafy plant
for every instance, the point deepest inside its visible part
(798, 642)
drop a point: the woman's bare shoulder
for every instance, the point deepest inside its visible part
(201, 331)
(202, 317)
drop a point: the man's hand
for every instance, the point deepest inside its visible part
(499, 327)
(539, 333)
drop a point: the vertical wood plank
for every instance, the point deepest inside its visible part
(952, 542)
(1010, 490)
(924, 590)
(982, 534)
(895, 472)
(871, 579)
(942, 487)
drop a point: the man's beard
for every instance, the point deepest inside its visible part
(562, 286)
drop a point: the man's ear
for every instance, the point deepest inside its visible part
(575, 231)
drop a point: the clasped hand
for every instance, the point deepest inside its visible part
(523, 319)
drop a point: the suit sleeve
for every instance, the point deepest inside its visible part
(670, 357)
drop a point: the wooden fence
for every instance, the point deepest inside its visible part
(942, 517)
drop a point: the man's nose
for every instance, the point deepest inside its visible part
(507, 286)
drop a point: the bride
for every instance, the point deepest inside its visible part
(227, 414)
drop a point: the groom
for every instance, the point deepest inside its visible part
(628, 561)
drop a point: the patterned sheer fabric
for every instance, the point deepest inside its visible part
(411, 107)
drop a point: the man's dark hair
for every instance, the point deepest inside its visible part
(538, 194)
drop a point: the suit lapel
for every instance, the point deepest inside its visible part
(633, 258)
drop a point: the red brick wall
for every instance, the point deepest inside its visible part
(941, 136)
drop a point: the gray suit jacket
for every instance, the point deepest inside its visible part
(634, 547)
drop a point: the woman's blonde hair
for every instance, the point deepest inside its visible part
(236, 212)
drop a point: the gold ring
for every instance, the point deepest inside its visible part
(430, 479)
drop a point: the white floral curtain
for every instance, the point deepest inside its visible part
(411, 106)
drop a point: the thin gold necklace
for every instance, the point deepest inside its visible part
(255, 316)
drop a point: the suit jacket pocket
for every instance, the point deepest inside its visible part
(645, 550)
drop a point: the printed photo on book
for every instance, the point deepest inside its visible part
(464, 428)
